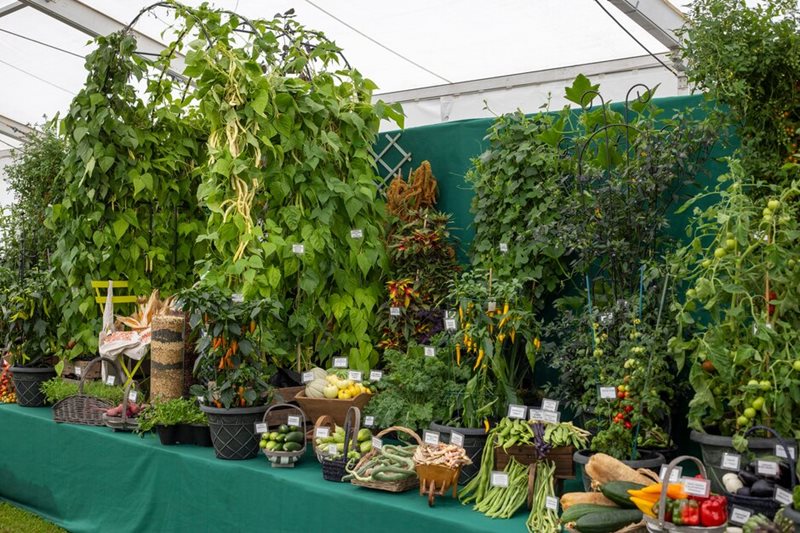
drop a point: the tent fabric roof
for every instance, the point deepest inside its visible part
(421, 42)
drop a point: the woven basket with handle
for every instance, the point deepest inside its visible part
(82, 408)
(284, 459)
(123, 422)
(325, 421)
(401, 485)
(334, 469)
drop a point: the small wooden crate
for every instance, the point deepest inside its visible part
(561, 456)
(436, 480)
(336, 409)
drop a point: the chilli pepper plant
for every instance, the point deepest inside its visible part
(497, 337)
(29, 319)
(740, 317)
(231, 366)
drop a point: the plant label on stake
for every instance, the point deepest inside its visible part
(782, 496)
(608, 393)
(201, 399)
(132, 396)
(503, 247)
(355, 375)
(430, 437)
(237, 298)
(375, 375)
(261, 427)
(780, 451)
(308, 377)
(340, 362)
(696, 487)
(731, 461)
(356, 234)
(369, 421)
(740, 515)
(394, 311)
(78, 371)
(332, 449)
(299, 249)
(551, 503)
(674, 476)
(430, 351)
(499, 479)
(322, 432)
(293, 421)
(767, 468)
(491, 307)
(549, 405)
(457, 439)
(517, 411)
(377, 443)
(450, 320)
(110, 380)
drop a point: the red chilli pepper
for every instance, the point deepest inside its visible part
(714, 511)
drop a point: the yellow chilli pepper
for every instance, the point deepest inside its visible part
(505, 308)
(481, 353)
(513, 334)
(486, 425)
(458, 354)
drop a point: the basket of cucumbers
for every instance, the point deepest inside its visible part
(334, 463)
(285, 443)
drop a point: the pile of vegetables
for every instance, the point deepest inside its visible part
(131, 410)
(7, 393)
(542, 519)
(749, 482)
(761, 524)
(566, 434)
(362, 446)
(389, 463)
(334, 384)
(503, 502)
(441, 454)
(609, 510)
(285, 439)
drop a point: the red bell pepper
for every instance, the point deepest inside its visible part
(714, 511)
(686, 513)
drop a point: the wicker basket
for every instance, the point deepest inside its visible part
(122, 422)
(658, 525)
(336, 469)
(285, 459)
(323, 421)
(83, 409)
(336, 409)
(526, 454)
(389, 486)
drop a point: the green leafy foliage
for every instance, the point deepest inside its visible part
(57, 389)
(740, 318)
(29, 319)
(170, 413)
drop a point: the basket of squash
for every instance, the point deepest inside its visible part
(333, 393)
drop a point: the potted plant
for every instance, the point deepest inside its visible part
(28, 313)
(231, 367)
(739, 317)
(177, 421)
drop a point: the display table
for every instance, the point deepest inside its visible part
(88, 479)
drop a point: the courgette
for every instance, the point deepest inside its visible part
(607, 521)
(617, 492)
(292, 447)
(295, 436)
(582, 509)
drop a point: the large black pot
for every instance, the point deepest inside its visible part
(28, 383)
(233, 431)
(650, 460)
(184, 434)
(474, 441)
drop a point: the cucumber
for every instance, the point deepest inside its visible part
(283, 428)
(277, 447)
(617, 492)
(292, 447)
(295, 436)
(581, 509)
(607, 521)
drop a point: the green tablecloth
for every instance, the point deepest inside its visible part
(89, 479)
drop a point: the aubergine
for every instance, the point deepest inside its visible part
(762, 489)
(748, 478)
(744, 491)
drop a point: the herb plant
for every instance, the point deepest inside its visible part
(57, 389)
(170, 413)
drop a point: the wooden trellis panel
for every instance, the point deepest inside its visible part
(385, 169)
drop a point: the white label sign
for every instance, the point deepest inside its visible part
(293, 421)
(369, 421)
(674, 476)
(550, 417)
(457, 439)
(132, 396)
(261, 427)
(237, 297)
(375, 375)
(780, 451)
(78, 371)
(551, 502)
(782, 496)
(356, 234)
(491, 307)
(355, 375)
(299, 248)
(394, 311)
(503, 247)
(450, 323)
(430, 351)
(517, 411)
(696, 487)
(549, 405)
(110, 380)
(332, 449)
(340, 362)
(767, 468)
(308, 377)
(201, 399)
(608, 393)
(377, 443)
(731, 461)
(430, 437)
(740, 515)
(499, 479)
(322, 432)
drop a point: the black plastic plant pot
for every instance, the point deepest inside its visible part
(185, 434)
(28, 384)
(201, 436)
(647, 459)
(168, 435)
(233, 431)
(474, 441)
